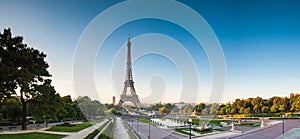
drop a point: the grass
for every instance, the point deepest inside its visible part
(146, 120)
(72, 128)
(33, 135)
(96, 132)
(108, 133)
(251, 124)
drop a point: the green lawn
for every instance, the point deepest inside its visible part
(95, 132)
(108, 133)
(73, 128)
(33, 135)
(146, 120)
(251, 124)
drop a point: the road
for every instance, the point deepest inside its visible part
(155, 133)
(268, 132)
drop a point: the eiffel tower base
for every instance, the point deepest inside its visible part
(130, 98)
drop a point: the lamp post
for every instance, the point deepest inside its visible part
(190, 121)
(282, 124)
(137, 125)
(149, 126)
(132, 121)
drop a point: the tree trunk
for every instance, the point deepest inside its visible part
(23, 111)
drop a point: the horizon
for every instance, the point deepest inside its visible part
(259, 43)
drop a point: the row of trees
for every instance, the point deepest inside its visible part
(25, 85)
(52, 106)
(171, 108)
(252, 106)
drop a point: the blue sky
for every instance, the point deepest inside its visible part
(259, 38)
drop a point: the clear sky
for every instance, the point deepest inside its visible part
(260, 40)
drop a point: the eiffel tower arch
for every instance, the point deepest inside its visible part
(128, 84)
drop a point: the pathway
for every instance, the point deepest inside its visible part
(120, 131)
(83, 133)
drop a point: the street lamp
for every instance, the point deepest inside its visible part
(131, 121)
(137, 125)
(282, 124)
(190, 121)
(149, 126)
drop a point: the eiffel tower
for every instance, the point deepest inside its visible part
(128, 84)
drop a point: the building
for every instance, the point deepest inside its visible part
(293, 95)
(113, 100)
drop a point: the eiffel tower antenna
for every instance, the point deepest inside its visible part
(128, 84)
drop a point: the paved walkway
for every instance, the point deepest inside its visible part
(120, 131)
(83, 133)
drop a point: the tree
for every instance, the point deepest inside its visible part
(257, 104)
(46, 102)
(155, 107)
(228, 107)
(7, 78)
(164, 110)
(296, 104)
(169, 106)
(247, 110)
(13, 109)
(90, 108)
(277, 102)
(67, 99)
(248, 104)
(214, 109)
(188, 109)
(234, 110)
(205, 112)
(198, 108)
(222, 110)
(242, 110)
(25, 66)
(265, 109)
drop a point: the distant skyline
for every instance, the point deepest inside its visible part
(259, 39)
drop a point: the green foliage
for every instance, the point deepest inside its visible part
(95, 132)
(67, 128)
(13, 109)
(21, 67)
(32, 135)
(146, 120)
(46, 102)
(155, 107)
(24, 71)
(198, 108)
(113, 111)
(258, 106)
(108, 133)
(295, 104)
(90, 108)
(164, 110)
(256, 124)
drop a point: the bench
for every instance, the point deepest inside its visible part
(12, 128)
